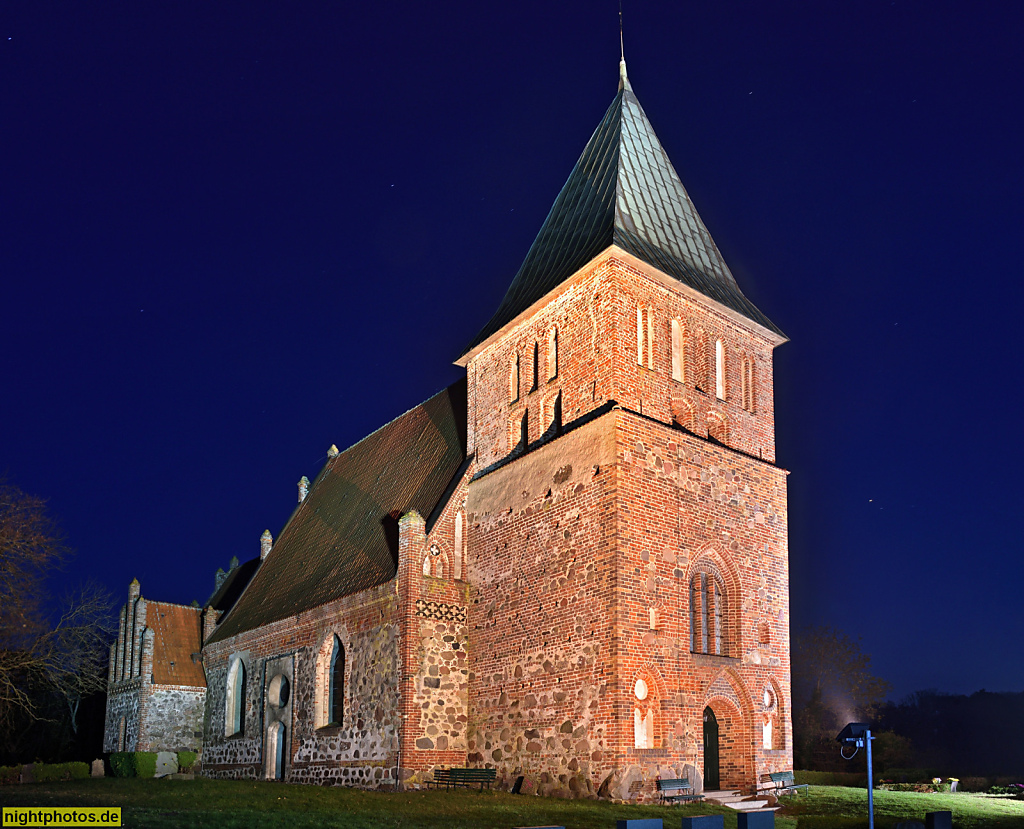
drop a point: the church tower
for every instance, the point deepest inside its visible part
(627, 554)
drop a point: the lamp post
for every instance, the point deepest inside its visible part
(858, 735)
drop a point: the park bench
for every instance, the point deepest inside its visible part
(440, 778)
(682, 788)
(779, 783)
(451, 778)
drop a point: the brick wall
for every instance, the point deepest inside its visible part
(583, 555)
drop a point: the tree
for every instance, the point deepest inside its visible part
(832, 685)
(51, 653)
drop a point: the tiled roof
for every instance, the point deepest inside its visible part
(344, 536)
(176, 634)
(623, 191)
(235, 580)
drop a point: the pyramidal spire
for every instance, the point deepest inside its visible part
(623, 191)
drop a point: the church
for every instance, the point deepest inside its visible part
(570, 566)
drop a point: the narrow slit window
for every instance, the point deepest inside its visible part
(677, 351)
(639, 336)
(650, 339)
(748, 384)
(720, 369)
(536, 367)
(458, 545)
(552, 354)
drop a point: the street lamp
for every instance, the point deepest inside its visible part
(858, 735)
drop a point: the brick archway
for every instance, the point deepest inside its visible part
(733, 708)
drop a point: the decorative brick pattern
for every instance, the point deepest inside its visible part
(440, 611)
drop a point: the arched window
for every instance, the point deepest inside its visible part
(234, 711)
(707, 614)
(513, 380)
(644, 703)
(524, 430)
(552, 354)
(720, 369)
(336, 684)
(771, 732)
(678, 352)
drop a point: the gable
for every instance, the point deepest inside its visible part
(176, 632)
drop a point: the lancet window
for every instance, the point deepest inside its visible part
(707, 614)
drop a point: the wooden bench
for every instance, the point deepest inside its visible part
(779, 783)
(440, 778)
(682, 788)
(451, 778)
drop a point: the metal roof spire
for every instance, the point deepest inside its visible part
(623, 191)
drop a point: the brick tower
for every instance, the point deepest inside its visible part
(627, 553)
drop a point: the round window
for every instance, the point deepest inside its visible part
(277, 693)
(640, 689)
(768, 698)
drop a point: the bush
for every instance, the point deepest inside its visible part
(973, 784)
(133, 763)
(10, 775)
(50, 772)
(852, 779)
(186, 760)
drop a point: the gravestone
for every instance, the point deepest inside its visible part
(643, 823)
(755, 820)
(705, 822)
(97, 769)
(166, 763)
(938, 820)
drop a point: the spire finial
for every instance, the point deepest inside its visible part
(622, 48)
(623, 80)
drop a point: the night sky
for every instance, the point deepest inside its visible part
(232, 234)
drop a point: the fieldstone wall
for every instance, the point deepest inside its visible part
(362, 750)
(122, 703)
(441, 690)
(173, 719)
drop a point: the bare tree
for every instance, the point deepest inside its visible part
(832, 685)
(48, 651)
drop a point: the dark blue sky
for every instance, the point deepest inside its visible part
(232, 234)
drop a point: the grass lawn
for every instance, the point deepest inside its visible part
(206, 803)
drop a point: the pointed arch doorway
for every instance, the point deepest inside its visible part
(712, 778)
